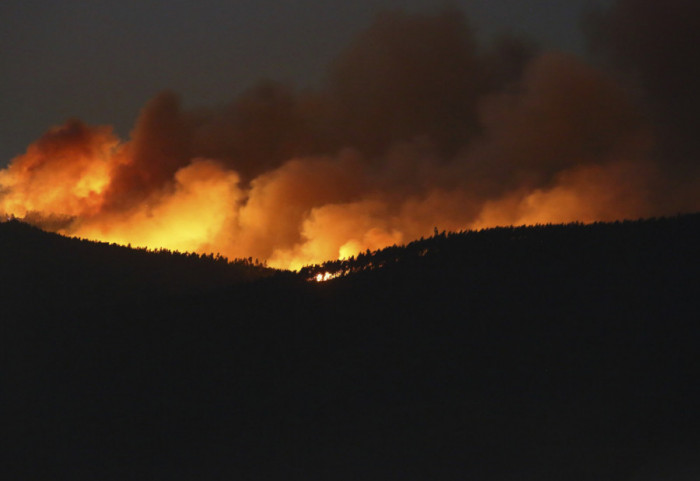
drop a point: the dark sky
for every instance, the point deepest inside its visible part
(102, 60)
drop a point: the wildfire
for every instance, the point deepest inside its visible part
(323, 277)
(82, 181)
(370, 161)
(63, 174)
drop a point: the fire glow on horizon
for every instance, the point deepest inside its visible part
(399, 141)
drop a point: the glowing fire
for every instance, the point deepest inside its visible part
(323, 277)
(295, 181)
(304, 211)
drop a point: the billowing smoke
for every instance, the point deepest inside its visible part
(416, 127)
(652, 46)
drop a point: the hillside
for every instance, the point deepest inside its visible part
(41, 266)
(550, 352)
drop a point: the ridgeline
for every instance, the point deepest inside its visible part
(550, 352)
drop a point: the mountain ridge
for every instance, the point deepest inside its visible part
(553, 352)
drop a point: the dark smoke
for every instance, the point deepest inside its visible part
(416, 126)
(655, 44)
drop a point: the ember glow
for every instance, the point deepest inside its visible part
(326, 276)
(399, 141)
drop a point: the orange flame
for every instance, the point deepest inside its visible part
(64, 174)
(565, 145)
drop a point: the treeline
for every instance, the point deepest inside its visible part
(39, 264)
(549, 352)
(471, 248)
(13, 226)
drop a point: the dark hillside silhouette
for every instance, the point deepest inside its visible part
(538, 353)
(37, 263)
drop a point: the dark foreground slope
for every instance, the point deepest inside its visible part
(41, 266)
(560, 352)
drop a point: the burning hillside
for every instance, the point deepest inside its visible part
(416, 127)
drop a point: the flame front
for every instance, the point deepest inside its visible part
(400, 142)
(305, 211)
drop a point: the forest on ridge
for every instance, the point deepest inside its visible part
(544, 352)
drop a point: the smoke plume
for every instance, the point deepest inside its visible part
(651, 46)
(416, 127)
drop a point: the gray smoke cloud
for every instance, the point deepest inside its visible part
(417, 126)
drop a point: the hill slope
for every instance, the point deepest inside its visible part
(41, 266)
(555, 352)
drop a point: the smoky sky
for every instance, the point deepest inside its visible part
(102, 61)
(418, 122)
(654, 46)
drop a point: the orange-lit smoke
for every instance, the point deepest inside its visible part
(417, 128)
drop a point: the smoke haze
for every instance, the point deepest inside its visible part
(416, 127)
